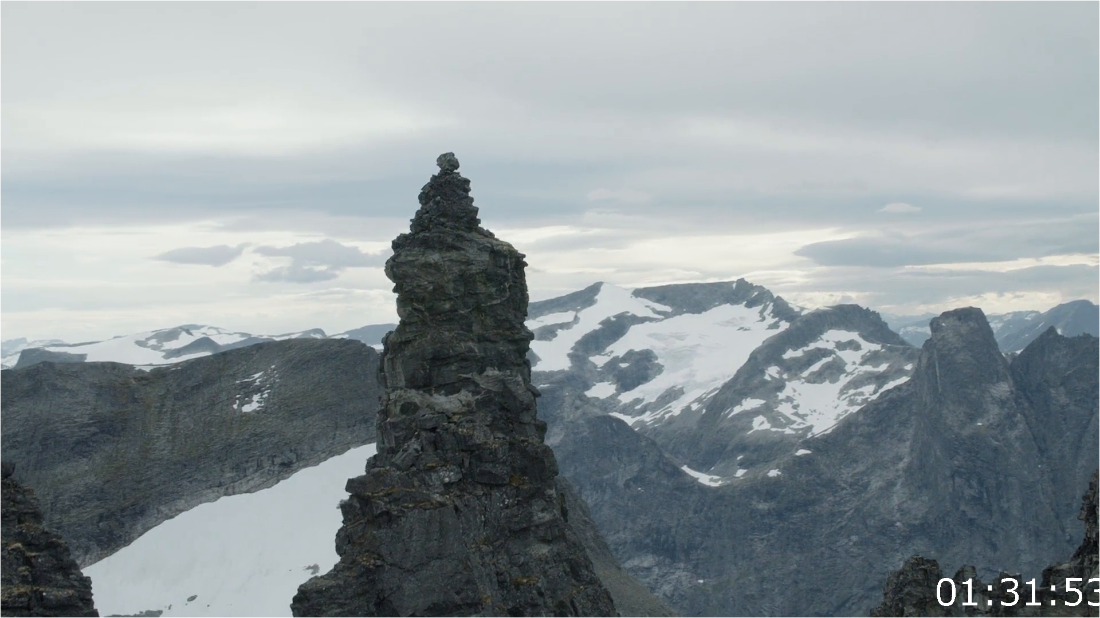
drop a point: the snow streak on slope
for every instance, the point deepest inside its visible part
(699, 353)
(553, 355)
(242, 555)
(706, 479)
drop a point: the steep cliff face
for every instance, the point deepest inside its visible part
(912, 590)
(39, 578)
(949, 464)
(458, 513)
(112, 451)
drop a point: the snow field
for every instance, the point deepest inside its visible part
(242, 555)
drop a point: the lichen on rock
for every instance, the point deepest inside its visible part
(457, 514)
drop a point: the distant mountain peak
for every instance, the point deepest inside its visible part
(961, 358)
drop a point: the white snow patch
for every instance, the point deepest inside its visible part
(252, 378)
(800, 452)
(892, 383)
(601, 390)
(242, 555)
(629, 420)
(257, 402)
(740, 472)
(707, 479)
(746, 405)
(760, 424)
(774, 473)
(551, 318)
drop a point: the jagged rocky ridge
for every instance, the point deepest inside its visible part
(113, 450)
(40, 578)
(959, 462)
(458, 513)
(912, 590)
(1015, 330)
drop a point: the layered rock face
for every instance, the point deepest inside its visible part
(458, 513)
(911, 590)
(40, 578)
(113, 451)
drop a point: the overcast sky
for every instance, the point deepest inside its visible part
(246, 165)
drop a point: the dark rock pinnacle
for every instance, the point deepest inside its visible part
(40, 578)
(458, 513)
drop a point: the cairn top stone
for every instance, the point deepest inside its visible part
(447, 162)
(445, 203)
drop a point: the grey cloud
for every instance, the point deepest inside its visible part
(315, 261)
(219, 255)
(296, 273)
(916, 73)
(325, 252)
(885, 253)
(899, 208)
(1012, 237)
(853, 108)
(900, 288)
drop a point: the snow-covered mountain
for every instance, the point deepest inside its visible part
(654, 353)
(242, 555)
(164, 346)
(1016, 329)
(724, 376)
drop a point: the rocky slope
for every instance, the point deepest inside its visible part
(39, 578)
(114, 450)
(912, 590)
(949, 463)
(458, 513)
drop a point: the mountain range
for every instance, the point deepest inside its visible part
(722, 438)
(1013, 331)
(164, 346)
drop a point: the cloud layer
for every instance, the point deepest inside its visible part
(825, 150)
(219, 255)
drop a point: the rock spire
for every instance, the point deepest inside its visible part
(458, 513)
